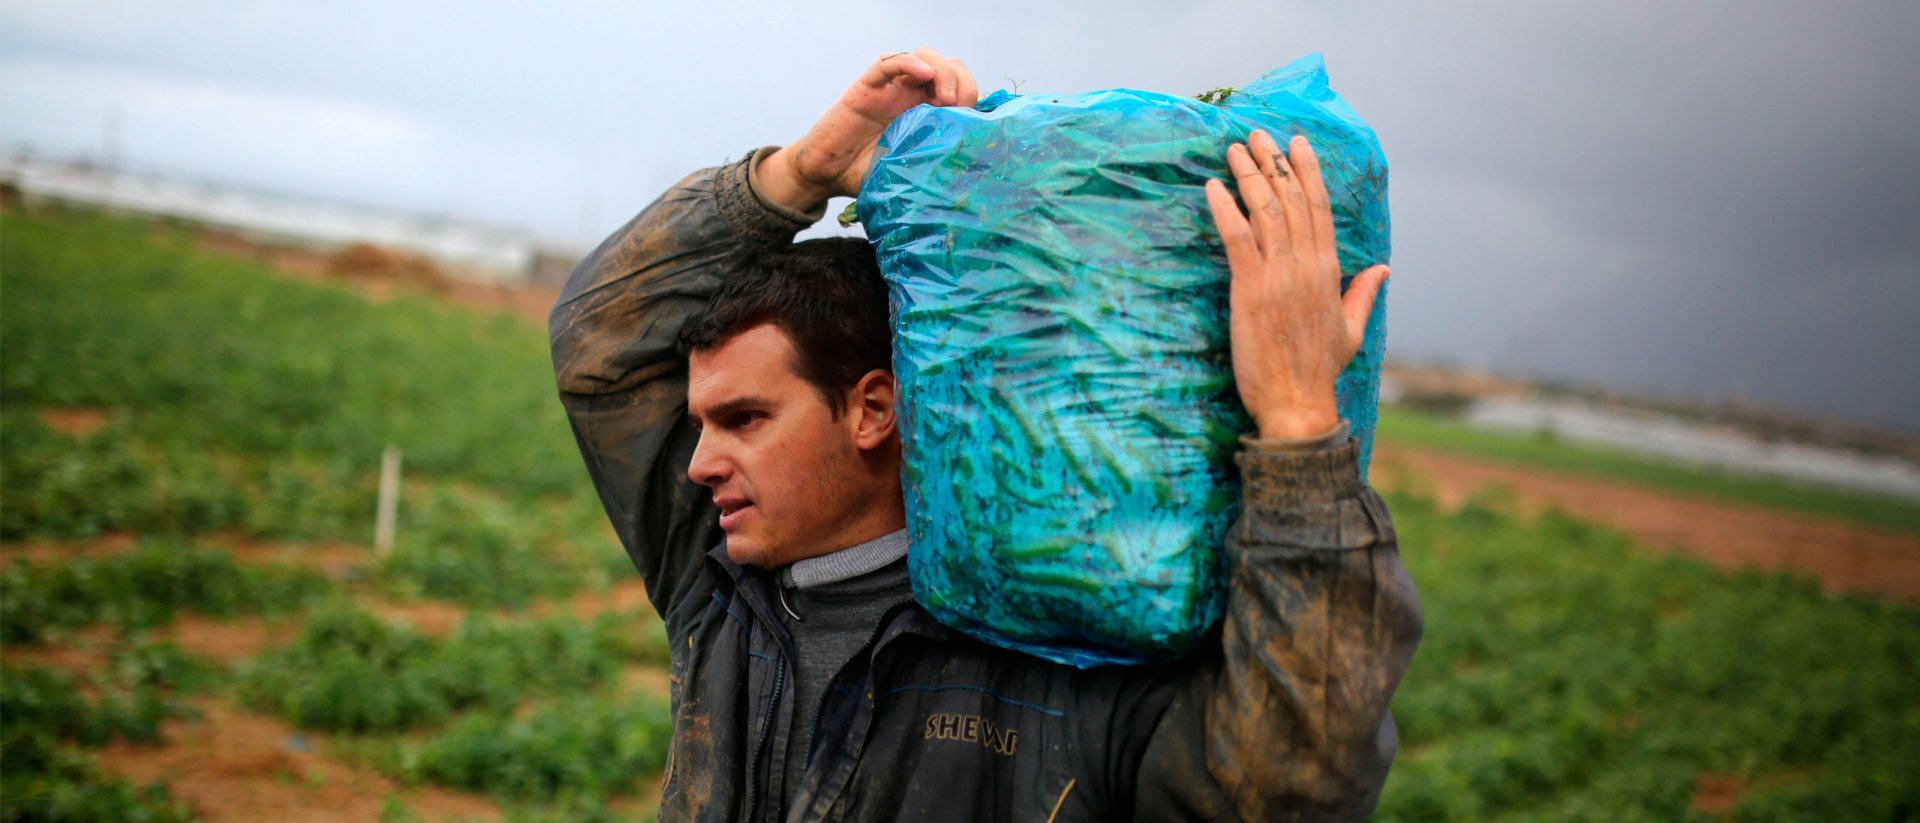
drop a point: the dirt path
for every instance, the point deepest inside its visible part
(1842, 556)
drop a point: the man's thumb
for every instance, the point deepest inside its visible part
(1357, 303)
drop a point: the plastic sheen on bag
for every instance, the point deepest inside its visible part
(1060, 335)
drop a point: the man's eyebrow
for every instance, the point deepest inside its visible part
(725, 408)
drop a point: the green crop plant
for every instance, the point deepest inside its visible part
(574, 747)
(349, 671)
(143, 589)
(57, 786)
(1566, 674)
(47, 715)
(113, 479)
(569, 811)
(484, 550)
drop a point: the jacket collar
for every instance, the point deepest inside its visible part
(756, 586)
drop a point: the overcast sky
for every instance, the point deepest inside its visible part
(1711, 199)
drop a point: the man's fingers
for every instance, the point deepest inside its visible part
(944, 80)
(1306, 164)
(1243, 251)
(1286, 188)
(910, 68)
(1266, 154)
(1272, 220)
(1357, 305)
(1269, 222)
(969, 90)
(945, 87)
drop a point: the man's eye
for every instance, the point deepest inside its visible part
(741, 420)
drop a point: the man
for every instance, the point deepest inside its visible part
(755, 483)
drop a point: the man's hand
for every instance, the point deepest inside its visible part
(833, 157)
(1292, 330)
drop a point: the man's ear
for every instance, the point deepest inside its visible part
(870, 409)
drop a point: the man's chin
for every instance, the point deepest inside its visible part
(747, 551)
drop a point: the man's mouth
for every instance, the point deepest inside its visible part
(732, 511)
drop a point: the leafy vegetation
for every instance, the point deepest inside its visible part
(1216, 96)
(477, 547)
(205, 347)
(1404, 426)
(352, 672)
(579, 746)
(268, 419)
(144, 589)
(1567, 676)
(229, 403)
(50, 785)
(45, 715)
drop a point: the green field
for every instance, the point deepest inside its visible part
(1565, 675)
(241, 408)
(1412, 428)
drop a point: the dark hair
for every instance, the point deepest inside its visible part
(826, 294)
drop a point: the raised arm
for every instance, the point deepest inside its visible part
(1291, 721)
(614, 333)
(615, 328)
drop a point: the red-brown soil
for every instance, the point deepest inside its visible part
(625, 596)
(43, 552)
(438, 618)
(649, 680)
(335, 560)
(74, 422)
(231, 765)
(1843, 557)
(229, 642)
(428, 617)
(225, 642)
(1717, 794)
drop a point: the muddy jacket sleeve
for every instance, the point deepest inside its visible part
(614, 332)
(1291, 720)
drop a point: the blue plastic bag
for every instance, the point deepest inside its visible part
(1060, 336)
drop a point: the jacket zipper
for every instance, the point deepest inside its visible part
(885, 619)
(773, 704)
(870, 648)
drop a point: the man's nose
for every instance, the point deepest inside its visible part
(707, 467)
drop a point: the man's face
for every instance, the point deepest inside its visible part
(785, 473)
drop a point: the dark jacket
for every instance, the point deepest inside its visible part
(1284, 718)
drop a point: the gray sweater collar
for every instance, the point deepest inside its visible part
(847, 563)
